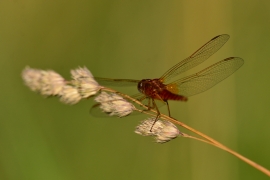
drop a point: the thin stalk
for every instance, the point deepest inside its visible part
(208, 139)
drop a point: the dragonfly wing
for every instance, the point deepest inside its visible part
(145, 100)
(138, 96)
(197, 57)
(117, 82)
(207, 78)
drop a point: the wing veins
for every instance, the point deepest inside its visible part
(117, 82)
(208, 77)
(197, 57)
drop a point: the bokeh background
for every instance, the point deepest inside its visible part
(43, 139)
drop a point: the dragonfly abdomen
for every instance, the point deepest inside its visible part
(167, 95)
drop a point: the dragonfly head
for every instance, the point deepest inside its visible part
(142, 85)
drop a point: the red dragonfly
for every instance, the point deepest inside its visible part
(181, 89)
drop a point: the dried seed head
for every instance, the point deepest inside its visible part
(32, 78)
(47, 83)
(114, 105)
(163, 131)
(70, 95)
(85, 82)
(80, 73)
(52, 83)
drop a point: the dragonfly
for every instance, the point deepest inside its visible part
(160, 89)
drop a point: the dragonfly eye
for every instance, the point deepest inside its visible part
(140, 86)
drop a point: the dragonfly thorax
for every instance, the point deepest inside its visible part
(150, 87)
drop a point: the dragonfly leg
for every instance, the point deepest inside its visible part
(158, 114)
(165, 101)
(149, 105)
(168, 108)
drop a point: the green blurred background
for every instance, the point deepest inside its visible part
(43, 139)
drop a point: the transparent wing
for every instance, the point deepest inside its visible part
(117, 82)
(207, 78)
(197, 57)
